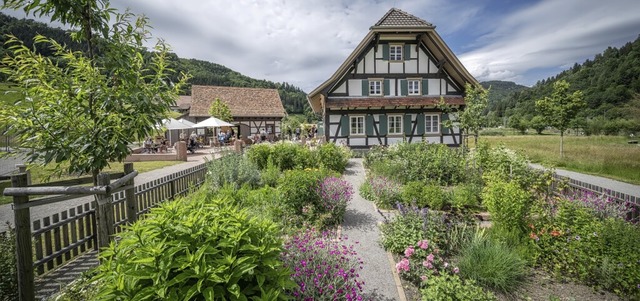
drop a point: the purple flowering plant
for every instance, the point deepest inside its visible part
(383, 192)
(602, 205)
(334, 194)
(422, 261)
(325, 268)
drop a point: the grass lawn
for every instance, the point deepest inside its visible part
(606, 156)
(39, 174)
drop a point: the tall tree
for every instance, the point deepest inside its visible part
(78, 108)
(473, 118)
(219, 109)
(561, 108)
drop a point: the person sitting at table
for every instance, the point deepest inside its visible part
(148, 145)
(191, 146)
(221, 137)
(164, 145)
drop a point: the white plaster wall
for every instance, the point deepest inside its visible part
(360, 69)
(379, 52)
(334, 118)
(355, 87)
(342, 88)
(395, 67)
(443, 86)
(369, 60)
(394, 140)
(434, 86)
(411, 66)
(392, 87)
(382, 67)
(448, 140)
(433, 139)
(424, 62)
(432, 67)
(358, 141)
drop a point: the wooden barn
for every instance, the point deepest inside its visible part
(253, 109)
(389, 88)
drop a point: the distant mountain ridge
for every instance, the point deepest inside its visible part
(293, 98)
(610, 83)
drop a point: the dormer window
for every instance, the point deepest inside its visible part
(395, 52)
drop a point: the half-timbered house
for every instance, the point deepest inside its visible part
(253, 109)
(391, 86)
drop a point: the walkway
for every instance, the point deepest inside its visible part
(361, 225)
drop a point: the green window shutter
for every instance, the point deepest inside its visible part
(425, 87)
(407, 124)
(443, 118)
(368, 125)
(386, 88)
(365, 87)
(344, 125)
(404, 89)
(407, 51)
(382, 127)
(421, 125)
(385, 52)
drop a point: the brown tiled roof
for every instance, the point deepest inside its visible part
(184, 102)
(344, 102)
(399, 18)
(243, 102)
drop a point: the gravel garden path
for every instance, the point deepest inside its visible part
(361, 225)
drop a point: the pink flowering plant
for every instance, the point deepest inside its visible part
(382, 191)
(422, 261)
(324, 268)
(602, 205)
(334, 195)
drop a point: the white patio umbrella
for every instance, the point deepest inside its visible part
(212, 122)
(173, 124)
(187, 122)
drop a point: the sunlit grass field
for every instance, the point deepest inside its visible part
(607, 156)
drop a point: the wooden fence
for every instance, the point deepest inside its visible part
(64, 236)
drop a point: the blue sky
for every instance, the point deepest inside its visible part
(303, 41)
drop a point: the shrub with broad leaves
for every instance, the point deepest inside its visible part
(323, 268)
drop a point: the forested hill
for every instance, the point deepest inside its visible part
(610, 83)
(499, 92)
(203, 72)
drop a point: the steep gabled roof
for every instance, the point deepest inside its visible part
(184, 102)
(399, 18)
(243, 102)
(396, 21)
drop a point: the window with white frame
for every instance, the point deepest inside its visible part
(375, 87)
(357, 125)
(395, 124)
(432, 124)
(395, 52)
(414, 86)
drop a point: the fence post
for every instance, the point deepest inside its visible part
(24, 253)
(22, 168)
(172, 187)
(104, 213)
(129, 193)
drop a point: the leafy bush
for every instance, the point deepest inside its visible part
(435, 197)
(507, 202)
(333, 157)
(270, 174)
(289, 156)
(300, 200)
(234, 170)
(491, 264)
(452, 288)
(412, 224)
(323, 268)
(195, 249)
(259, 154)
(466, 196)
(412, 194)
(9, 275)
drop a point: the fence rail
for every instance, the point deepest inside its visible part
(51, 242)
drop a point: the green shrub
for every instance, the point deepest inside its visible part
(508, 203)
(259, 154)
(9, 274)
(270, 174)
(435, 197)
(234, 170)
(333, 157)
(466, 196)
(289, 156)
(452, 288)
(365, 190)
(491, 264)
(195, 249)
(299, 198)
(412, 193)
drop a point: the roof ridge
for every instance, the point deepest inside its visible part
(397, 17)
(233, 87)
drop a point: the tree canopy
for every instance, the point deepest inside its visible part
(80, 110)
(219, 109)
